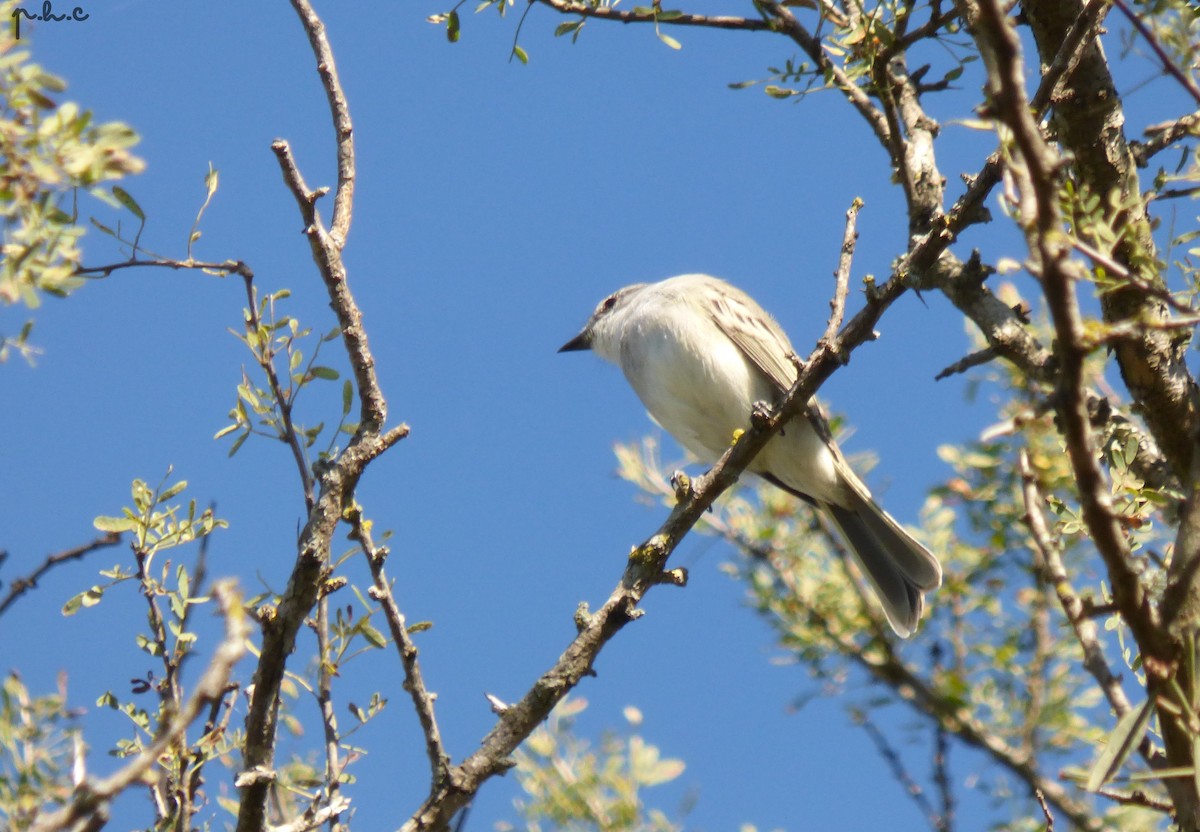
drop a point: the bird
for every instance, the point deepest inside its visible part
(701, 354)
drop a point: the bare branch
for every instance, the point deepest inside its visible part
(328, 257)
(19, 586)
(1041, 799)
(314, 818)
(750, 24)
(226, 267)
(911, 787)
(339, 108)
(837, 306)
(1162, 136)
(414, 680)
(1082, 32)
(1137, 797)
(1037, 169)
(1168, 65)
(324, 694)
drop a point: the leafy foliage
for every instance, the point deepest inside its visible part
(49, 151)
(572, 786)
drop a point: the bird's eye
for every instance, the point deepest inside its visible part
(608, 303)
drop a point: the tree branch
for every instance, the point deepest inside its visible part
(336, 480)
(1055, 77)
(1038, 174)
(1162, 136)
(20, 585)
(1085, 629)
(339, 110)
(92, 798)
(644, 571)
(750, 24)
(414, 680)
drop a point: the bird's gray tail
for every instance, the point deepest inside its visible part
(899, 567)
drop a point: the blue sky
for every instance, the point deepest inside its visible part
(496, 204)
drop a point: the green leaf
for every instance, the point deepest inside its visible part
(237, 443)
(520, 54)
(114, 524)
(1121, 743)
(452, 27)
(129, 202)
(669, 41)
(327, 373)
(211, 179)
(347, 397)
(104, 228)
(567, 28)
(371, 634)
(87, 598)
(173, 491)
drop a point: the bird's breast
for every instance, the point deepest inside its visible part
(694, 381)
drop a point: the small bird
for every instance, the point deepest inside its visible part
(700, 353)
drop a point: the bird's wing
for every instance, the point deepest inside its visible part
(756, 334)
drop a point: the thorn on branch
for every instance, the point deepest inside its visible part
(675, 577)
(583, 616)
(975, 359)
(682, 484)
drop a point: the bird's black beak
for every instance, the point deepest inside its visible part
(582, 341)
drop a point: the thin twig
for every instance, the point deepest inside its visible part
(1083, 625)
(837, 306)
(1041, 799)
(414, 680)
(1163, 136)
(1137, 797)
(328, 257)
(19, 586)
(324, 692)
(784, 21)
(896, 765)
(266, 354)
(601, 12)
(225, 267)
(1119, 272)
(339, 109)
(1167, 64)
(941, 777)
